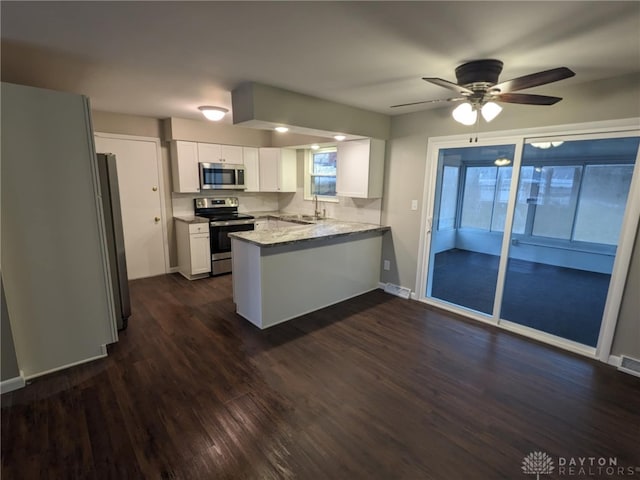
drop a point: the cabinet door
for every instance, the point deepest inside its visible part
(184, 163)
(269, 170)
(231, 154)
(353, 168)
(209, 152)
(200, 253)
(287, 170)
(360, 168)
(251, 160)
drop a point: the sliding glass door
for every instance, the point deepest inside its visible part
(571, 201)
(472, 191)
(524, 233)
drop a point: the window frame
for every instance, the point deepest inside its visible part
(308, 175)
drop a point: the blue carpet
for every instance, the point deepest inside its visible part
(565, 302)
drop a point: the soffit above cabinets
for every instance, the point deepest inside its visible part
(262, 106)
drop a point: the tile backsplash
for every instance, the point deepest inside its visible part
(249, 202)
(347, 209)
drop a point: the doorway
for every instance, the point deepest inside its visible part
(140, 179)
(524, 232)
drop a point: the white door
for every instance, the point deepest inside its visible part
(140, 196)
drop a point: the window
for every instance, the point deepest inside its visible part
(602, 202)
(320, 173)
(478, 197)
(448, 198)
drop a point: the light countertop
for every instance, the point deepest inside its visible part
(321, 230)
(191, 219)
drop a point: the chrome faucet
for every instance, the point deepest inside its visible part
(316, 212)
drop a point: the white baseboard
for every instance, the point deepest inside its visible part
(173, 269)
(63, 367)
(12, 384)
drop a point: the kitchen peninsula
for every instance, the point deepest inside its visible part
(282, 273)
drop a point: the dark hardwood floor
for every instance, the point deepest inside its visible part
(376, 387)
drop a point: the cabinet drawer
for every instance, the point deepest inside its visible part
(198, 228)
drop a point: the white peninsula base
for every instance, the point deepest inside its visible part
(277, 283)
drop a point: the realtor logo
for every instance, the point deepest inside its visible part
(537, 463)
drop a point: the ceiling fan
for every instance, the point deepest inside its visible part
(479, 89)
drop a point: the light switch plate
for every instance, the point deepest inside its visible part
(414, 204)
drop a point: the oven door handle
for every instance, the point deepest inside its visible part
(231, 223)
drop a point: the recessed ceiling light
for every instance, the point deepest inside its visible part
(339, 137)
(315, 147)
(282, 129)
(213, 113)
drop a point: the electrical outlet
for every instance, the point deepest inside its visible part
(414, 204)
(387, 265)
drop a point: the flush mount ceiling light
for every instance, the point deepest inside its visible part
(315, 147)
(339, 137)
(213, 113)
(282, 129)
(545, 145)
(502, 162)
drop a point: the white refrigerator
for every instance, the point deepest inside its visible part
(54, 249)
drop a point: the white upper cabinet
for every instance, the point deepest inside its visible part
(277, 169)
(184, 166)
(251, 169)
(214, 153)
(360, 168)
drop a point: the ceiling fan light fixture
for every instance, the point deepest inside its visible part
(465, 114)
(490, 110)
(213, 113)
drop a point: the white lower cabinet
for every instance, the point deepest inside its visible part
(194, 251)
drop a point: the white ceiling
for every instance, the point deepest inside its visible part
(164, 59)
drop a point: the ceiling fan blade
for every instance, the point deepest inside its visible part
(533, 80)
(447, 84)
(526, 98)
(430, 101)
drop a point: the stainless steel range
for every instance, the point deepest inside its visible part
(223, 219)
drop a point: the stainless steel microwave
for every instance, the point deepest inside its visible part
(221, 176)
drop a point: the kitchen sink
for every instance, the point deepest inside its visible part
(300, 218)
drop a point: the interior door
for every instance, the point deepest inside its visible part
(142, 217)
